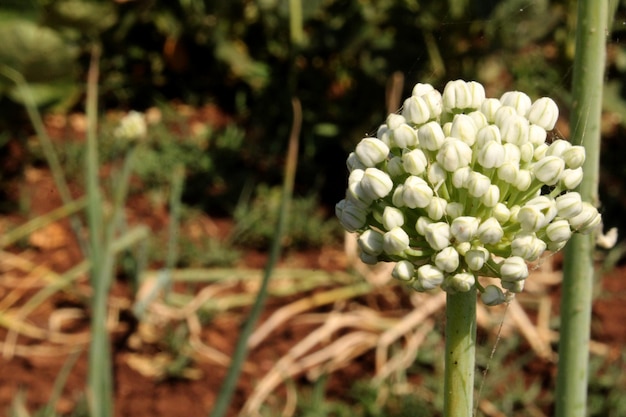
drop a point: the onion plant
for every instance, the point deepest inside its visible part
(459, 186)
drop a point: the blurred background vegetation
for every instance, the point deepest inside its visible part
(236, 57)
(214, 80)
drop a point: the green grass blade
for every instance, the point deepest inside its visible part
(241, 350)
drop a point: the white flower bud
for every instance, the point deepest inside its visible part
(489, 107)
(480, 120)
(527, 152)
(447, 260)
(454, 210)
(416, 192)
(414, 162)
(415, 110)
(376, 183)
(420, 89)
(477, 93)
(396, 198)
(489, 133)
(350, 216)
(559, 231)
(356, 195)
(527, 246)
(513, 268)
(549, 169)
(531, 218)
(456, 95)
(556, 246)
(461, 282)
(353, 162)
(464, 128)
(518, 100)
(514, 286)
(523, 180)
(492, 296)
(574, 157)
(546, 204)
(132, 126)
(491, 197)
(395, 241)
(491, 155)
(540, 151)
(460, 177)
(476, 258)
(382, 129)
(463, 247)
(490, 231)
(503, 114)
(477, 184)
(394, 121)
(454, 154)
(436, 174)
(368, 259)
(431, 136)
(572, 178)
(586, 220)
(404, 271)
(507, 172)
(537, 135)
(392, 217)
(544, 112)
(558, 148)
(446, 128)
(422, 223)
(356, 176)
(429, 277)
(433, 102)
(404, 137)
(437, 208)
(395, 167)
(569, 205)
(437, 235)
(371, 242)
(371, 151)
(464, 228)
(385, 135)
(607, 240)
(501, 213)
(515, 130)
(512, 153)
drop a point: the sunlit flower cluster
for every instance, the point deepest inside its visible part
(458, 186)
(133, 126)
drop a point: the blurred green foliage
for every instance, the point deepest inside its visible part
(237, 55)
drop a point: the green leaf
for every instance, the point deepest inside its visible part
(40, 54)
(61, 94)
(86, 16)
(242, 65)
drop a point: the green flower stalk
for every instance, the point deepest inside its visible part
(459, 186)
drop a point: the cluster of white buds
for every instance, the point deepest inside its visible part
(458, 186)
(133, 126)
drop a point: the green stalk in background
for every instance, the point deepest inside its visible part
(578, 271)
(99, 379)
(460, 354)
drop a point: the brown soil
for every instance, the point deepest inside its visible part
(31, 363)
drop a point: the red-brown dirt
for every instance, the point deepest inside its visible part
(31, 363)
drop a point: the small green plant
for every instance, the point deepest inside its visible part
(256, 221)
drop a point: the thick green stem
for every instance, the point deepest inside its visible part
(460, 354)
(578, 271)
